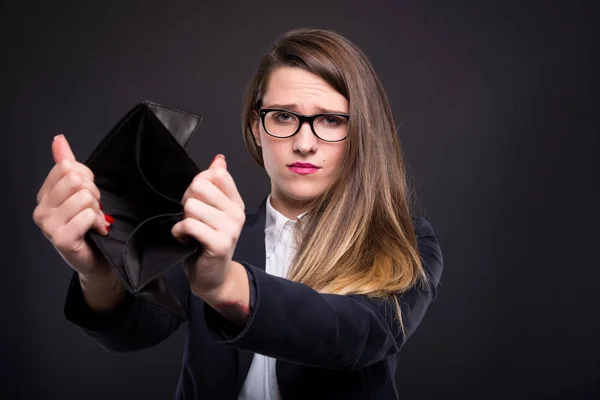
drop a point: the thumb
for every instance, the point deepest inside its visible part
(61, 149)
(219, 161)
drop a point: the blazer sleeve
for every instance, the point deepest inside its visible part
(134, 325)
(293, 322)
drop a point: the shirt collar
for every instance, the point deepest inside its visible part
(274, 224)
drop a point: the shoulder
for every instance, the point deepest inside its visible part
(422, 227)
(429, 249)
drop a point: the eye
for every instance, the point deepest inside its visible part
(331, 121)
(283, 117)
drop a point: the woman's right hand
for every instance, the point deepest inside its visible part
(69, 206)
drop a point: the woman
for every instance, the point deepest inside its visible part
(310, 297)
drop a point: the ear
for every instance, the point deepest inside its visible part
(255, 126)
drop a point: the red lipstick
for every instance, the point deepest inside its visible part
(303, 168)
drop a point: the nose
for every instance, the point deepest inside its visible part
(305, 140)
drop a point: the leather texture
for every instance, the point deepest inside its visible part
(142, 171)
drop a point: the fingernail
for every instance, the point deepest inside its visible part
(59, 135)
(109, 219)
(100, 205)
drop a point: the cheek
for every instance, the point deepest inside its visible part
(334, 157)
(271, 151)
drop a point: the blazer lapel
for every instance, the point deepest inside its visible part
(251, 248)
(251, 243)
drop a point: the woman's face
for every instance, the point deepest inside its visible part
(295, 89)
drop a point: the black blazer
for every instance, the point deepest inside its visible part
(327, 346)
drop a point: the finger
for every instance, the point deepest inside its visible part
(61, 149)
(69, 237)
(218, 161)
(210, 239)
(77, 203)
(60, 170)
(205, 191)
(205, 213)
(67, 186)
(217, 173)
(223, 180)
(80, 202)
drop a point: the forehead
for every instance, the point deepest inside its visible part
(302, 91)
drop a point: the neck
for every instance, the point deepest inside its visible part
(288, 207)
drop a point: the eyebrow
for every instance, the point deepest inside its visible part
(294, 107)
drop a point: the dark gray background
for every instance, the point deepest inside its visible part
(497, 103)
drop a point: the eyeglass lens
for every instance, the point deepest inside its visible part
(327, 127)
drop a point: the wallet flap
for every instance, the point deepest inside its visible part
(162, 162)
(181, 124)
(151, 250)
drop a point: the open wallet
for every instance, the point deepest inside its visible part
(142, 171)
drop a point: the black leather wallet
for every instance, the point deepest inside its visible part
(142, 171)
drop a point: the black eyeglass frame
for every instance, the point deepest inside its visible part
(301, 119)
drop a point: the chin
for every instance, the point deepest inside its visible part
(300, 194)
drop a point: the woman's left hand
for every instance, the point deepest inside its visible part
(214, 216)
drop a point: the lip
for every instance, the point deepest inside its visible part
(303, 168)
(303, 165)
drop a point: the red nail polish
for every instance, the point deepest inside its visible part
(109, 219)
(100, 205)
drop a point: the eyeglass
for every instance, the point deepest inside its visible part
(329, 127)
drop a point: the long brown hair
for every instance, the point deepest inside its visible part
(357, 237)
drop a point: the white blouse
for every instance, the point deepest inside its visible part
(261, 382)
